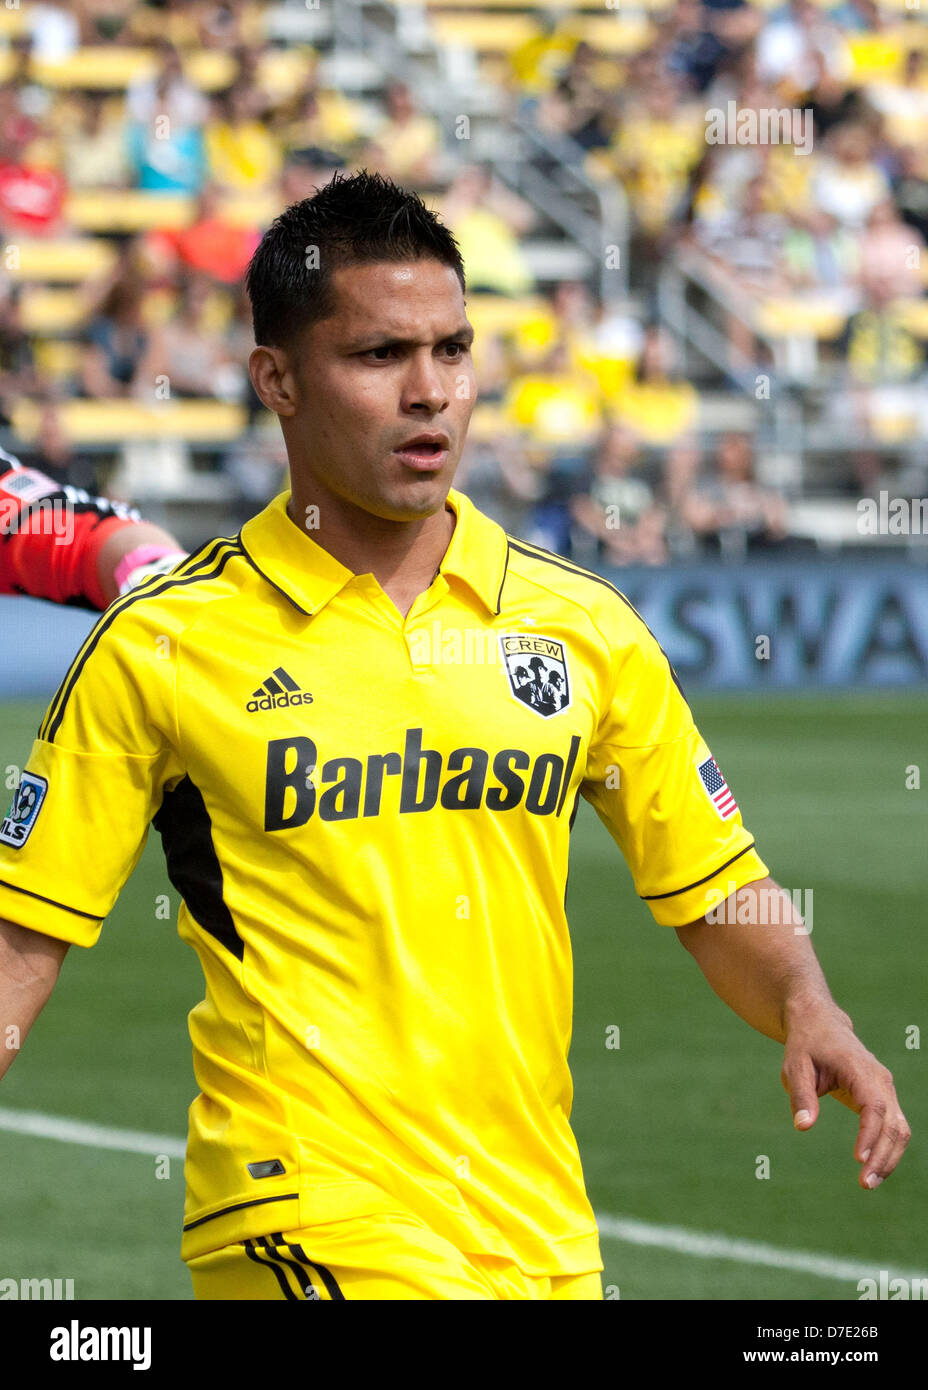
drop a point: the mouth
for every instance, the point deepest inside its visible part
(425, 453)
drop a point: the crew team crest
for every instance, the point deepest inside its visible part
(537, 671)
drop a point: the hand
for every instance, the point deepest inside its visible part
(824, 1057)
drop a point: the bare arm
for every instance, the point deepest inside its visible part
(766, 971)
(29, 966)
(121, 543)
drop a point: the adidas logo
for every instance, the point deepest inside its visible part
(278, 691)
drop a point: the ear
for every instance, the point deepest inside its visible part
(273, 379)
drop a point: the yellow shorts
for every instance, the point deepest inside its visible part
(390, 1255)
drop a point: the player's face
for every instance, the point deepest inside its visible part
(391, 363)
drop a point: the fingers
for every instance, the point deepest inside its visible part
(799, 1078)
(882, 1136)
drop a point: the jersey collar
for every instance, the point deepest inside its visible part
(308, 576)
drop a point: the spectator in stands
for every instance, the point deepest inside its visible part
(407, 144)
(18, 376)
(593, 111)
(728, 511)
(214, 243)
(904, 104)
(679, 475)
(819, 254)
(659, 142)
(744, 244)
(167, 93)
(323, 119)
(304, 171)
(693, 49)
(876, 345)
(228, 24)
(555, 403)
(94, 149)
(54, 31)
(52, 451)
(118, 358)
(103, 21)
(890, 251)
(242, 154)
(659, 404)
(910, 187)
(165, 154)
(489, 221)
(849, 183)
(795, 48)
(19, 125)
(189, 348)
(617, 511)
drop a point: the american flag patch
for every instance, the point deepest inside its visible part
(717, 787)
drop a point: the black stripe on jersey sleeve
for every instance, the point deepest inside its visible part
(116, 607)
(548, 557)
(93, 916)
(240, 1206)
(52, 723)
(275, 1269)
(653, 897)
(186, 831)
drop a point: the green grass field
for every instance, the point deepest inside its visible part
(670, 1125)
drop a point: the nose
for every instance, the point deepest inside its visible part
(425, 387)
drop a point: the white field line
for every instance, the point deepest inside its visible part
(701, 1244)
(748, 1252)
(131, 1141)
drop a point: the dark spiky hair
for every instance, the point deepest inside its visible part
(358, 219)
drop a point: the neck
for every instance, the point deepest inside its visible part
(399, 554)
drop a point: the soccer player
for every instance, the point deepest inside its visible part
(373, 871)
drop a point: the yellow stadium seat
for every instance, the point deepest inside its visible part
(484, 33)
(803, 315)
(659, 413)
(102, 67)
(119, 421)
(52, 311)
(68, 260)
(284, 71)
(210, 70)
(13, 22)
(58, 359)
(106, 67)
(127, 210)
(618, 32)
(495, 313)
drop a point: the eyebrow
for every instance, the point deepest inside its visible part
(367, 345)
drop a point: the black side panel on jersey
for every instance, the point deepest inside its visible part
(186, 832)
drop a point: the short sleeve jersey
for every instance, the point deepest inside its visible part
(368, 825)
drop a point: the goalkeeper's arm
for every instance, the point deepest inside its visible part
(62, 544)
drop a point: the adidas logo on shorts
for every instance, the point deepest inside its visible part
(277, 692)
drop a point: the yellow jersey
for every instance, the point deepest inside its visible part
(367, 818)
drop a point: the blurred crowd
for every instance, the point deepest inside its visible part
(590, 440)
